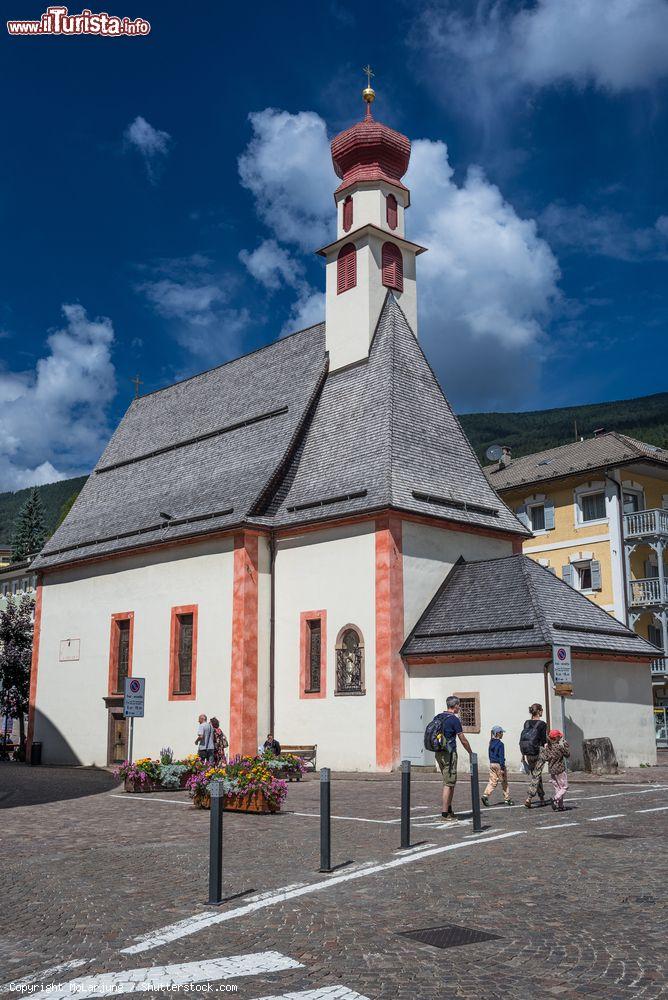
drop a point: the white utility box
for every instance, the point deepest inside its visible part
(415, 714)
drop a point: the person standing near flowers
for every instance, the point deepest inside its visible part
(220, 743)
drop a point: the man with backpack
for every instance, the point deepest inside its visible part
(532, 738)
(441, 736)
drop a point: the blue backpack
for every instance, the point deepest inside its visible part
(434, 739)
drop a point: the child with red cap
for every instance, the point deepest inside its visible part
(554, 754)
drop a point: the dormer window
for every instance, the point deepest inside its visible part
(391, 208)
(393, 267)
(346, 268)
(348, 214)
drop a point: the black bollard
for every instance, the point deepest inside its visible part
(325, 821)
(216, 845)
(475, 794)
(405, 804)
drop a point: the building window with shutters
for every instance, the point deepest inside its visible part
(350, 661)
(120, 651)
(590, 507)
(583, 575)
(346, 268)
(469, 710)
(313, 654)
(183, 653)
(391, 211)
(537, 517)
(392, 267)
(348, 214)
(537, 513)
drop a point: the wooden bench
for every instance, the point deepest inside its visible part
(307, 753)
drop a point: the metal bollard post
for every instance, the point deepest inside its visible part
(325, 821)
(216, 845)
(475, 794)
(405, 804)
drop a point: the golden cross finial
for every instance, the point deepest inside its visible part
(369, 94)
(137, 382)
(369, 73)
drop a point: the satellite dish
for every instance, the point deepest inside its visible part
(494, 453)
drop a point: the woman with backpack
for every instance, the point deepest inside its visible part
(532, 738)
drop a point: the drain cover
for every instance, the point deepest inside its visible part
(612, 836)
(449, 936)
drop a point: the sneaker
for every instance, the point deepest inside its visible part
(484, 800)
(561, 807)
(527, 803)
(450, 817)
(509, 802)
(554, 805)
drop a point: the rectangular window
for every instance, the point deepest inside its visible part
(593, 506)
(537, 517)
(654, 635)
(120, 651)
(469, 710)
(314, 654)
(631, 502)
(183, 653)
(583, 575)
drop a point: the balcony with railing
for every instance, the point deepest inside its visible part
(659, 667)
(646, 524)
(648, 592)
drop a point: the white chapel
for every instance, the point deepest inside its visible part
(302, 539)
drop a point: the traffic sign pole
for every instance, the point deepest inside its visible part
(131, 737)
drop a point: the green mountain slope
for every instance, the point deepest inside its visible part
(645, 418)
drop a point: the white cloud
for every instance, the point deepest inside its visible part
(500, 55)
(486, 288)
(151, 143)
(605, 233)
(53, 420)
(284, 166)
(198, 305)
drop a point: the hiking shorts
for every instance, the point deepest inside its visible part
(447, 761)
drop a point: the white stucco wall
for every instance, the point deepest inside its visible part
(71, 718)
(429, 555)
(370, 205)
(263, 637)
(332, 570)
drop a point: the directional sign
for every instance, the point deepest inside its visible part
(561, 659)
(133, 697)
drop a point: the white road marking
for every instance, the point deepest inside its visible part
(413, 808)
(414, 850)
(184, 928)
(655, 809)
(164, 977)
(53, 970)
(326, 993)
(556, 826)
(599, 819)
(357, 819)
(138, 797)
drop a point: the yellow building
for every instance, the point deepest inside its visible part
(598, 510)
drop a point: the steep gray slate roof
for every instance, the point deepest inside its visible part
(201, 450)
(600, 452)
(272, 440)
(513, 603)
(384, 435)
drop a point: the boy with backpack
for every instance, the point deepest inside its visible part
(441, 736)
(497, 768)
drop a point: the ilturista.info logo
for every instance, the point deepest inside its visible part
(58, 21)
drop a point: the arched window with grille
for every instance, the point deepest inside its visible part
(348, 214)
(393, 267)
(391, 207)
(346, 268)
(350, 661)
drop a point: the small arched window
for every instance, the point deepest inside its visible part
(346, 268)
(391, 206)
(350, 661)
(348, 214)
(393, 267)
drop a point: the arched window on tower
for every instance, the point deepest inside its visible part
(393, 267)
(348, 213)
(391, 206)
(346, 268)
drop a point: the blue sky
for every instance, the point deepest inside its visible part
(161, 198)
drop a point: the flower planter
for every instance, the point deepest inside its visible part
(253, 802)
(289, 774)
(150, 785)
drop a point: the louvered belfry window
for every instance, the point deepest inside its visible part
(348, 213)
(391, 205)
(346, 272)
(393, 267)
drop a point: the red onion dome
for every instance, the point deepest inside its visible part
(370, 151)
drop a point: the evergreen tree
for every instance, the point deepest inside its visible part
(16, 634)
(67, 507)
(29, 530)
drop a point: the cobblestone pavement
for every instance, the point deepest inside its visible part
(577, 899)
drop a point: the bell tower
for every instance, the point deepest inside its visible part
(371, 253)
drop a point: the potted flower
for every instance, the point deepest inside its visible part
(248, 786)
(284, 765)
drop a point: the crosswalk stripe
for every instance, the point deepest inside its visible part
(161, 977)
(327, 993)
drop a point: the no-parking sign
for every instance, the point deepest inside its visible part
(561, 658)
(133, 697)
